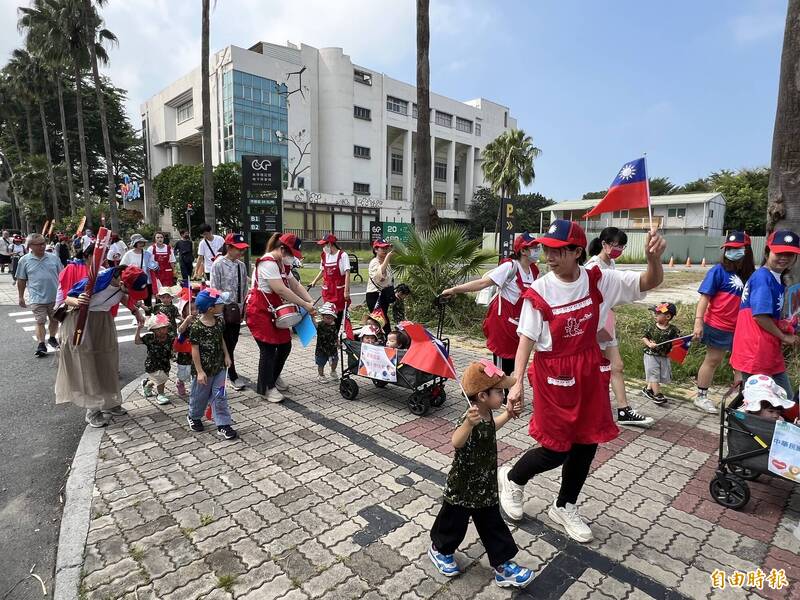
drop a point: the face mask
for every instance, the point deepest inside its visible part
(615, 253)
(328, 249)
(534, 254)
(734, 253)
(288, 261)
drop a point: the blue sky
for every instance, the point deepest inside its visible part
(595, 83)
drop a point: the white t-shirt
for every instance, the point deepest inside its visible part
(330, 260)
(266, 270)
(5, 244)
(597, 261)
(608, 329)
(505, 278)
(209, 255)
(617, 287)
(374, 275)
(144, 261)
(17, 249)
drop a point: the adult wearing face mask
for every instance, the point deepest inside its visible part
(604, 250)
(718, 309)
(512, 277)
(334, 270)
(759, 333)
(272, 286)
(184, 250)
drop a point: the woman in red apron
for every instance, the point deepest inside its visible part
(334, 269)
(273, 285)
(163, 255)
(512, 277)
(572, 413)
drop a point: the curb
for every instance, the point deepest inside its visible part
(77, 508)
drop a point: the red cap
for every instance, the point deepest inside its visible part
(292, 242)
(563, 233)
(381, 243)
(328, 239)
(525, 240)
(783, 241)
(236, 240)
(736, 239)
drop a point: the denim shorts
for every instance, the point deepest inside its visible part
(322, 360)
(717, 338)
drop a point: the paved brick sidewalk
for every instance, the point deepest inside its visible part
(324, 497)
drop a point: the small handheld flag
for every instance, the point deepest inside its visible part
(630, 189)
(680, 348)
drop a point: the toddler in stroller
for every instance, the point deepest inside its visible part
(750, 422)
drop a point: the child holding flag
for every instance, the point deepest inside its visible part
(657, 367)
(158, 341)
(327, 350)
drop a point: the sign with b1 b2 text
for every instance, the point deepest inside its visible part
(262, 194)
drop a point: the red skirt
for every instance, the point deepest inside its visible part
(501, 330)
(261, 321)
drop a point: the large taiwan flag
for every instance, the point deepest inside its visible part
(628, 190)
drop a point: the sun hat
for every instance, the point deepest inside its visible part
(207, 298)
(369, 330)
(171, 290)
(783, 241)
(329, 308)
(328, 239)
(484, 375)
(736, 239)
(666, 307)
(762, 388)
(563, 233)
(237, 241)
(293, 243)
(157, 322)
(136, 238)
(524, 240)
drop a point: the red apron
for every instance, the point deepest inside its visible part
(260, 318)
(500, 329)
(333, 282)
(165, 274)
(569, 405)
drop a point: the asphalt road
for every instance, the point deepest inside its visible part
(37, 442)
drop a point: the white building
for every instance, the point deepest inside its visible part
(678, 213)
(357, 126)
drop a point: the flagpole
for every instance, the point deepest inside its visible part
(647, 182)
(683, 337)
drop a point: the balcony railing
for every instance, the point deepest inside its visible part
(344, 235)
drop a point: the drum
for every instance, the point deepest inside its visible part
(287, 316)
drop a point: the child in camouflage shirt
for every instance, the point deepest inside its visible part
(471, 489)
(159, 353)
(327, 350)
(210, 362)
(183, 349)
(657, 368)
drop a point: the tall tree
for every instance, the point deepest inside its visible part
(423, 199)
(8, 123)
(783, 210)
(96, 33)
(46, 39)
(208, 174)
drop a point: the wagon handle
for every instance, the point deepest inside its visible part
(440, 302)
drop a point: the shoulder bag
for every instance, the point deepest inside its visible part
(231, 313)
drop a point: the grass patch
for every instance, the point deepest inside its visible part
(187, 532)
(136, 553)
(676, 278)
(225, 582)
(206, 520)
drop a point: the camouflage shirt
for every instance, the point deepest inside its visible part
(209, 340)
(655, 334)
(326, 340)
(472, 482)
(159, 353)
(399, 311)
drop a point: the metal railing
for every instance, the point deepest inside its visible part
(343, 235)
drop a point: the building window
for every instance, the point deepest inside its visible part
(359, 112)
(396, 105)
(397, 192)
(478, 129)
(710, 213)
(676, 212)
(464, 125)
(439, 200)
(414, 111)
(185, 112)
(505, 119)
(362, 77)
(397, 164)
(301, 183)
(444, 119)
(361, 152)
(440, 171)
(456, 173)
(361, 188)
(457, 204)
(620, 214)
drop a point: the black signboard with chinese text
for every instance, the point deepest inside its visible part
(262, 200)
(507, 227)
(375, 231)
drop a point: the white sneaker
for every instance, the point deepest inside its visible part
(274, 396)
(705, 404)
(334, 376)
(95, 418)
(162, 399)
(510, 494)
(572, 522)
(281, 385)
(147, 388)
(320, 377)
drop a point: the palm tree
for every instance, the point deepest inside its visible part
(422, 185)
(507, 162)
(25, 67)
(208, 174)
(46, 39)
(97, 35)
(783, 195)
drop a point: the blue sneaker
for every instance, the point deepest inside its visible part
(445, 563)
(510, 574)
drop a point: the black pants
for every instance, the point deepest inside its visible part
(506, 364)
(577, 461)
(231, 336)
(450, 527)
(372, 301)
(271, 358)
(339, 319)
(186, 272)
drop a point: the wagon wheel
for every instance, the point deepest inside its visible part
(729, 490)
(438, 396)
(744, 472)
(348, 389)
(380, 384)
(419, 403)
